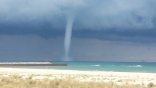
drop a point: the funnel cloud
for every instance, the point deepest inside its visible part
(68, 34)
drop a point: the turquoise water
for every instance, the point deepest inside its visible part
(106, 66)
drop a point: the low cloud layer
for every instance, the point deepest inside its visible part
(36, 48)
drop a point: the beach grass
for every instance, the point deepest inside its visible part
(17, 81)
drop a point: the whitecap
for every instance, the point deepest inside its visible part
(110, 65)
(96, 65)
(135, 66)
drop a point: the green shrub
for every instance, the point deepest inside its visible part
(150, 85)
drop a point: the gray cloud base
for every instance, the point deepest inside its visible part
(36, 48)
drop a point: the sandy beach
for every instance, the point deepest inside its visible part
(97, 76)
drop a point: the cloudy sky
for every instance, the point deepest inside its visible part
(103, 30)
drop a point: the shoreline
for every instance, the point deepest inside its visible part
(50, 69)
(7, 69)
(98, 76)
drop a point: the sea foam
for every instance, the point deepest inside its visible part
(96, 65)
(133, 65)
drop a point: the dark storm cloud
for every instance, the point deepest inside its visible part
(124, 20)
(144, 36)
